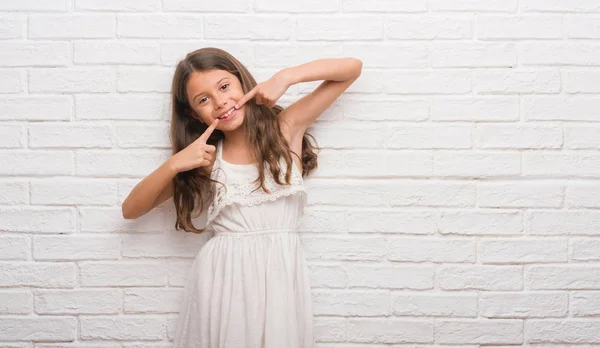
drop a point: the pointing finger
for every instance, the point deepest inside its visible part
(209, 130)
(247, 97)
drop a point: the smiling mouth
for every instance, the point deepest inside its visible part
(227, 114)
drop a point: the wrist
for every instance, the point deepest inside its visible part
(287, 75)
(172, 166)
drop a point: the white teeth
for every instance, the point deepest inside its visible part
(227, 114)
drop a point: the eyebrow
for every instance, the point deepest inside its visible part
(226, 77)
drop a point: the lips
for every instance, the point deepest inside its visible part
(225, 113)
(229, 117)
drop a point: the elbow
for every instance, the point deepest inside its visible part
(127, 214)
(358, 65)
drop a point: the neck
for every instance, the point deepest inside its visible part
(236, 138)
(237, 146)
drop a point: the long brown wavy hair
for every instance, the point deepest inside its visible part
(194, 188)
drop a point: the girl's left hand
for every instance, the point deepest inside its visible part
(267, 92)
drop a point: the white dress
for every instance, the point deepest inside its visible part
(248, 286)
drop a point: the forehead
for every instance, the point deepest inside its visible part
(203, 81)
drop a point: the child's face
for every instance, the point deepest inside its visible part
(212, 93)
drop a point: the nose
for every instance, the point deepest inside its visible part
(222, 102)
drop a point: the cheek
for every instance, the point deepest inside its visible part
(238, 93)
(200, 112)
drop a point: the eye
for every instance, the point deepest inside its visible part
(201, 100)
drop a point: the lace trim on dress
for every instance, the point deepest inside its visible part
(244, 192)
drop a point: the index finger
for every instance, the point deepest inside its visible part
(247, 97)
(209, 130)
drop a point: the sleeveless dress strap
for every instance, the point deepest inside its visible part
(247, 192)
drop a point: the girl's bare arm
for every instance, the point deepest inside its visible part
(157, 187)
(154, 189)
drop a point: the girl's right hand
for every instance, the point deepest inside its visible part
(196, 154)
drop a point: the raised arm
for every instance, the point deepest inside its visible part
(338, 74)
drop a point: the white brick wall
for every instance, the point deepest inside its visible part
(456, 202)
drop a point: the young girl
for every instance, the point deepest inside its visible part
(243, 158)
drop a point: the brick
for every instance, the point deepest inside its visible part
(582, 194)
(12, 136)
(159, 26)
(122, 273)
(430, 250)
(478, 277)
(35, 5)
(477, 164)
(48, 329)
(15, 248)
(465, 331)
(519, 27)
(479, 55)
(110, 220)
(528, 194)
(344, 248)
(341, 28)
(26, 53)
(37, 219)
(258, 27)
(390, 276)
(116, 52)
(390, 330)
(428, 27)
(434, 305)
(13, 27)
(205, 6)
(69, 135)
(72, 80)
(557, 53)
(521, 251)
(409, 6)
(76, 247)
(105, 301)
(28, 108)
(553, 222)
(564, 330)
(562, 277)
(481, 222)
(15, 302)
(480, 108)
(152, 300)
(560, 6)
(427, 82)
(519, 136)
(517, 82)
(84, 26)
(38, 274)
(561, 164)
(523, 305)
(118, 5)
(474, 5)
(122, 328)
(428, 136)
